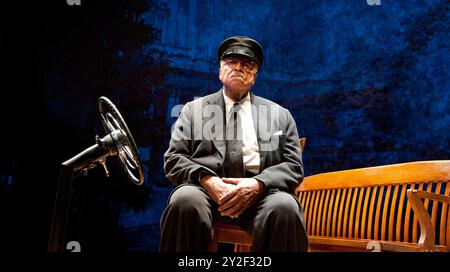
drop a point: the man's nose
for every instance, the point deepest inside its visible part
(238, 66)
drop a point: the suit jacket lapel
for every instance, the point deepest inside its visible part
(217, 99)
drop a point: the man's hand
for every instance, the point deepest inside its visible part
(215, 187)
(245, 193)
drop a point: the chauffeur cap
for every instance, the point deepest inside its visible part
(241, 45)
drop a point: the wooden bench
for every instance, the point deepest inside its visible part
(370, 209)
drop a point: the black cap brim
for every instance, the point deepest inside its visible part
(239, 50)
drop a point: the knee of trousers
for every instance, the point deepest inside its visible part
(283, 206)
(191, 200)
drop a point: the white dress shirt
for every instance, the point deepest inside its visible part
(250, 147)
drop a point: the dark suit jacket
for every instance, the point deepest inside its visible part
(197, 144)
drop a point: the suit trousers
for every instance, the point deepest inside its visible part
(275, 221)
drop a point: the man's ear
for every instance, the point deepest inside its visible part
(220, 72)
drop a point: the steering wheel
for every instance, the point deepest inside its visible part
(114, 124)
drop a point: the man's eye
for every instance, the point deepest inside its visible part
(249, 65)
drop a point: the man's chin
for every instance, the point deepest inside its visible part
(239, 84)
(238, 88)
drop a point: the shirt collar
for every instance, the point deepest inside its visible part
(229, 102)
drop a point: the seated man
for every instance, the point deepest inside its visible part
(236, 159)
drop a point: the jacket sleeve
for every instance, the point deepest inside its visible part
(288, 174)
(178, 167)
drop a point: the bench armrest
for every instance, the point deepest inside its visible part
(427, 230)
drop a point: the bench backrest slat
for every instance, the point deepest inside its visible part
(341, 211)
(378, 211)
(358, 212)
(352, 213)
(310, 211)
(330, 212)
(386, 204)
(401, 204)
(335, 212)
(314, 216)
(392, 217)
(368, 191)
(321, 213)
(325, 213)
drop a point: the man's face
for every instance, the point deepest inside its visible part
(238, 74)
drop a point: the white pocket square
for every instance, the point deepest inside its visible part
(279, 132)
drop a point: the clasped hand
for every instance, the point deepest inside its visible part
(234, 195)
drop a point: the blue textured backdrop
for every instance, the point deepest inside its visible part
(367, 84)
